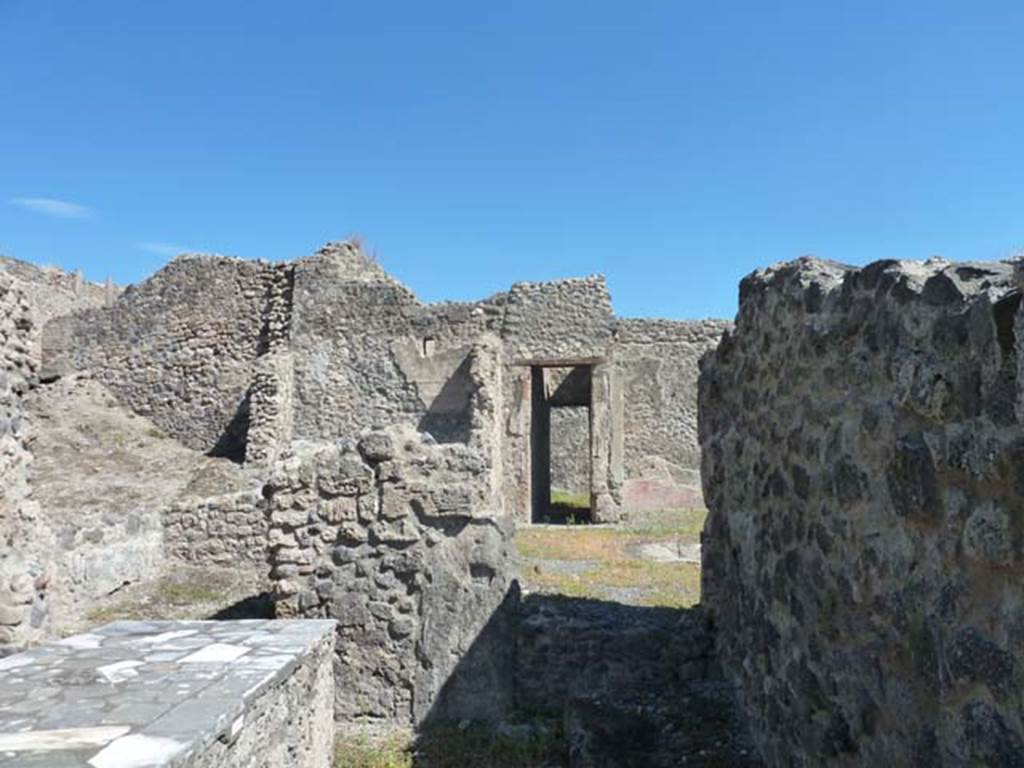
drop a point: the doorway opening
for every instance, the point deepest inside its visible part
(561, 440)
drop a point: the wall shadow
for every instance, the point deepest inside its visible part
(232, 441)
(449, 416)
(624, 685)
(260, 606)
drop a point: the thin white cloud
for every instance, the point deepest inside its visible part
(51, 206)
(164, 249)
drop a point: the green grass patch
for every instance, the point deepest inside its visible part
(614, 566)
(570, 499)
(670, 585)
(451, 745)
(361, 751)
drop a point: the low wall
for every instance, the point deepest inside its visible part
(862, 444)
(395, 541)
(568, 648)
(236, 694)
(223, 530)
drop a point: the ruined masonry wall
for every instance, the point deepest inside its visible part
(564, 319)
(657, 363)
(26, 542)
(567, 320)
(31, 548)
(570, 450)
(569, 649)
(863, 447)
(222, 530)
(271, 407)
(345, 317)
(52, 292)
(178, 347)
(368, 354)
(238, 358)
(395, 541)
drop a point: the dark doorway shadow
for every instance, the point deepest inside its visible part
(564, 514)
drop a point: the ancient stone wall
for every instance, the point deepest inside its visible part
(396, 540)
(368, 354)
(862, 453)
(271, 407)
(657, 362)
(178, 347)
(570, 450)
(26, 542)
(29, 296)
(561, 320)
(238, 358)
(52, 292)
(347, 312)
(114, 491)
(565, 322)
(219, 530)
(568, 648)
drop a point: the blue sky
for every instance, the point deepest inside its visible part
(673, 146)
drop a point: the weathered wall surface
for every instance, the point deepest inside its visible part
(862, 556)
(107, 482)
(570, 450)
(657, 362)
(238, 358)
(222, 530)
(25, 539)
(567, 649)
(561, 320)
(178, 347)
(52, 292)
(567, 321)
(29, 296)
(347, 312)
(368, 354)
(395, 540)
(271, 407)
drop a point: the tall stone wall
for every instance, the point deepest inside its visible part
(657, 363)
(563, 323)
(26, 541)
(238, 358)
(347, 312)
(862, 452)
(368, 354)
(178, 347)
(30, 296)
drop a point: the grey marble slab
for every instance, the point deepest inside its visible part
(141, 694)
